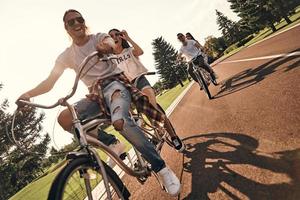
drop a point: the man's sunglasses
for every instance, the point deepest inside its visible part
(71, 22)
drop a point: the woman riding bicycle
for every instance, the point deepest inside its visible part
(109, 89)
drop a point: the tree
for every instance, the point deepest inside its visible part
(282, 8)
(214, 47)
(228, 28)
(254, 13)
(165, 57)
(17, 167)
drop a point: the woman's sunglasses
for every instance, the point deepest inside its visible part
(71, 22)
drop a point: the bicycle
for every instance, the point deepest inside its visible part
(86, 175)
(203, 77)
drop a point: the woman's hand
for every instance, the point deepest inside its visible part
(124, 35)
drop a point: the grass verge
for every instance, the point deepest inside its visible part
(281, 26)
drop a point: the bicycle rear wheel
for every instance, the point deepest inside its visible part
(82, 178)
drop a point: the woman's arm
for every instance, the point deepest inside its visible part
(137, 50)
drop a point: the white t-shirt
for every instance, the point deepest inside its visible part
(130, 64)
(190, 50)
(95, 69)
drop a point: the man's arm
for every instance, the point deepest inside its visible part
(45, 86)
(179, 56)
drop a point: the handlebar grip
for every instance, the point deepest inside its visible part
(151, 73)
(21, 103)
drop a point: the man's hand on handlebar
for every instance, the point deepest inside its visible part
(104, 48)
(25, 97)
(179, 60)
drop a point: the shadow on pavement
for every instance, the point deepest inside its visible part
(250, 77)
(225, 161)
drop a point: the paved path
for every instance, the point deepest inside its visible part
(245, 143)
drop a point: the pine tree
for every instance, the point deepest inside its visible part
(18, 168)
(165, 56)
(228, 27)
(254, 13)
(282, 8)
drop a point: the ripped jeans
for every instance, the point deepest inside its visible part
(119, 109)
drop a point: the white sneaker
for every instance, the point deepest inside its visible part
(118, 148)
(170, 181)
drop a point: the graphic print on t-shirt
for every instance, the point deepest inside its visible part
(123, 58)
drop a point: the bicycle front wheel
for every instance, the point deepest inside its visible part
(82, 179)
(205, 87)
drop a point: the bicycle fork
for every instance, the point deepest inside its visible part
(79, 133)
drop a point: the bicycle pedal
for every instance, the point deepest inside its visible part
(123, 156)
(142, 180)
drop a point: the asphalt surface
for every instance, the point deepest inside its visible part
(244, 143)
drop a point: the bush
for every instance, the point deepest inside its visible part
(230, 48)
(245, 40)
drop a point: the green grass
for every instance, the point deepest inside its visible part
(168, 97)
(281, 26)
(38, 190)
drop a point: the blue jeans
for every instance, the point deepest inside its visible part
(142, 83)
(119, 110)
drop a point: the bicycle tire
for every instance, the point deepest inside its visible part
(58, 190)
(205, 87)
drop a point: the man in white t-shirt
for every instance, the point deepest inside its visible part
(191, 49)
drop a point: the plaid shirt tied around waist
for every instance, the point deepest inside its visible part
(138, 98)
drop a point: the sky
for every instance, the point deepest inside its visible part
(32, 36)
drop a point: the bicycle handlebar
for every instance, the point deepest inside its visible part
(61, 101)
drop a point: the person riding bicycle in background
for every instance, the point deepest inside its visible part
(190, 49)
(109, 88)
(128, 60)
(189, 36)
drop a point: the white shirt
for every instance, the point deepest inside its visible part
(189, 51)
(95, 69)
(130, 64)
